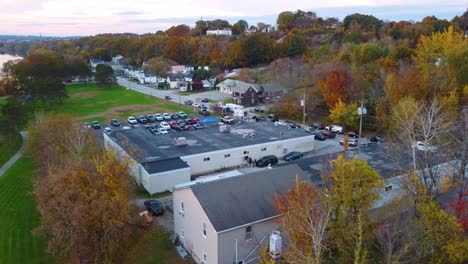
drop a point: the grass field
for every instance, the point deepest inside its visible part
(18, 217)
(9, 143)
(91, 102)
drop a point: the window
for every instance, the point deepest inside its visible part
(182, 210)
(206, 159)
(183, 234)
(246, 152)
(263, 149)
(248, 233)
(204, 230)
(204, 258)
(227, 155)
(388, 188)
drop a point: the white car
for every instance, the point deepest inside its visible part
(335, 128)
(159, 117)
(132, 120)
(165, 125)
(197, 105)
(419, 145)
(167, 116)
(107, 129)
(162, 130)
(126, 128)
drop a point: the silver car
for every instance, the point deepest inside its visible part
(167, 116)
(159, 117)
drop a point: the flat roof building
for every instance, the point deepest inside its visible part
(163, 161)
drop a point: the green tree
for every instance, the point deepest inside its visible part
(297, 46)
(257, 49)
(104, 75)
(285, 20)
(354, 189)
(240, 27)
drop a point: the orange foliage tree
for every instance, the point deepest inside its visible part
(334, 87)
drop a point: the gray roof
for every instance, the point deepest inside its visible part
(271, 87)
(148, 147)
(164, 165)
(238, 86)
(244, 199)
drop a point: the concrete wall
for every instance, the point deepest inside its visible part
(227, 242)
(189, 227)
(164, 181)
(236, 155)
(114, 148)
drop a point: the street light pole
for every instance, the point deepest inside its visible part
(361, 111)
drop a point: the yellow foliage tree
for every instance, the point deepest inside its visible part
(345, 115)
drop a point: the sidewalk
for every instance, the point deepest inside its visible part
(18, 154)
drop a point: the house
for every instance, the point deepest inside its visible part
(148, 77)
(206, 84)
(220, 32)
(176, 81)
(95, 62)
(245, 94)
(117, 59)
(181, 69)
(271, 93)
(157, 166)
(230, 219)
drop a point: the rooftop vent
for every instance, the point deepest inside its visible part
(180, 141)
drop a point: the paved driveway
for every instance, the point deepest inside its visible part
(166, 220)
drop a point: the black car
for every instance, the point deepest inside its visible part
(267, 160)
(293, 155)
(259, 118)
(115, 123)
(272, 117)
(320, 136)
(167, 97)
(188, 102)
(376, 139)
(154, 207)
(190, 121)
(96, 125)
(151, 118)
(259, 109)
(205, 100)
(204, 112)
(292, 125)
(318, 125)
(142, 119)
(174, 116)
(204, 107)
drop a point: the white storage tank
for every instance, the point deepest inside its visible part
(275, 244)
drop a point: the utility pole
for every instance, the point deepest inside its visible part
(361, 112)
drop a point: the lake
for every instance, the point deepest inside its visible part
(6, 57)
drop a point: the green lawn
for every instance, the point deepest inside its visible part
(18, 216)
(91, 102)
(10, 143)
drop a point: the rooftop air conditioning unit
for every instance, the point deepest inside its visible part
(180, 141)
(275, 244)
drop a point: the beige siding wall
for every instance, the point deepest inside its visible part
(227, 242)
(218, 160)
(164, 181)
(189, 227)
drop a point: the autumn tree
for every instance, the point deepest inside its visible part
(334, 87)
(179, 30)
(305, 218)
(239, 27)
(177, 50)
(285, 20)
(345, 115)
(353, 188)
(160, 66)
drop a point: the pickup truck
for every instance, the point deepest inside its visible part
(227, 120)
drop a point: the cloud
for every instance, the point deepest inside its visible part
(129, 13)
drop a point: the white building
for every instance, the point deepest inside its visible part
(230, 219)
(162, 161)
(220, 32)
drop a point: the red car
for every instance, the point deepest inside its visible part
(189, 128)
(197, 120)
(329, 134)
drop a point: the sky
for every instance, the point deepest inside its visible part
(91, 17)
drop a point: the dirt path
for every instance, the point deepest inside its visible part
(18, 154)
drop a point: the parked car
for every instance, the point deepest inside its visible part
(107, 129)
(115, 123)
(174, 116)
(162, 130)
(320, 136)
(259, 109)
(190, 121)
(86, 125)
(188, 102)
(126, 128)
(352, 142)
(267, 160)
(198, 126)
(154, 131)
(318, 125)
(376, 139)
(197, 120)
(204, 107)
(165, 125)
(272, 117)
(167, 97)
(293, 155)
(154, 207)
(419, 145)
(227, 120)
(189, 127)
(197, 105)
(142, 119)
(159, 117)
(335, 129)
(167, 116)
(173, 124)
(181, 123)
(329, 134)
(259, 118)
(182, 115)
(96, 125)
(292, 125)
(151, 118)
(204, 112)
(132, 120)
(205, 100)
